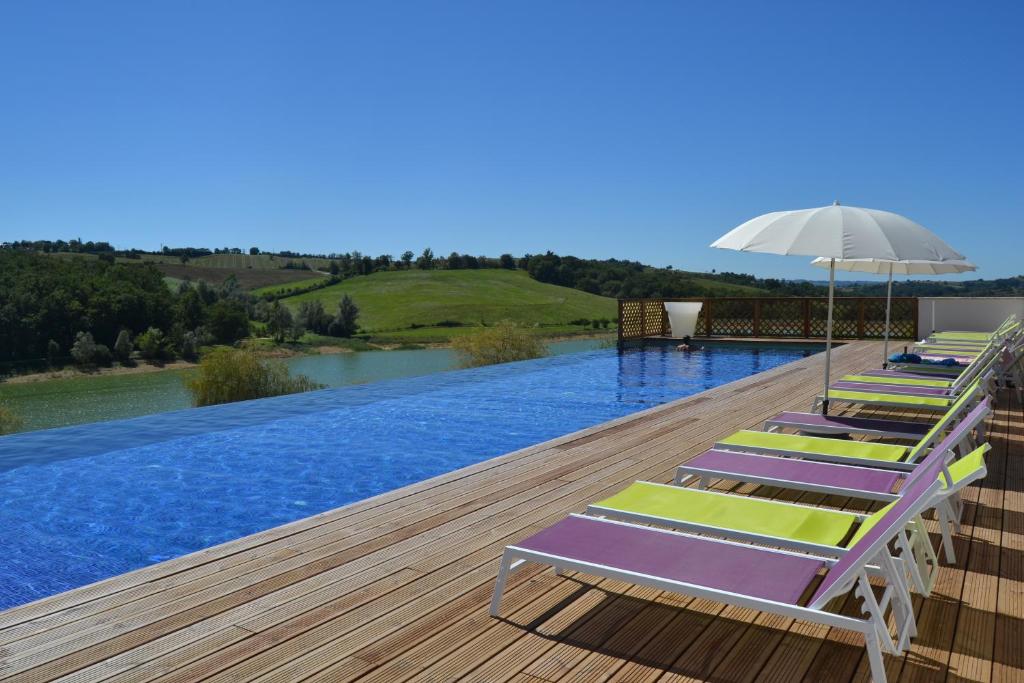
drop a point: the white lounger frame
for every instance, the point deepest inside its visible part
(875, 629)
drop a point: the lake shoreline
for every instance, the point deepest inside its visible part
(273, 352)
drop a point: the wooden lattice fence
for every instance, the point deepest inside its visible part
(793, 317)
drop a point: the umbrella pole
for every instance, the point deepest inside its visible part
(828, 333)
(888, 309)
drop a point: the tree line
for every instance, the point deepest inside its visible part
(94, 311)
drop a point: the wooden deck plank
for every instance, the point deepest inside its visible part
(396, 587)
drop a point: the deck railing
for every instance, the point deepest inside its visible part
(793, 317)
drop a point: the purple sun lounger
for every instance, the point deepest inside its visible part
(764, 579)
(871, 481)
(817, 424)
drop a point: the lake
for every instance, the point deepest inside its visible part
(79, 400)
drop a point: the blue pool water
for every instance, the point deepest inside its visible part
(87, 502)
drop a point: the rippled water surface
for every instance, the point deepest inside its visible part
(87, 502)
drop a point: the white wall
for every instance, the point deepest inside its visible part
(977, 314)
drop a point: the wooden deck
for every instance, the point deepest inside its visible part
(396, 587)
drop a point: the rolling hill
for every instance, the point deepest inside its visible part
(396, 301)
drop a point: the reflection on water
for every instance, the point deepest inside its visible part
(58, 403)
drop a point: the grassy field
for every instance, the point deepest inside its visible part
(282, 289)
(254, 278)
(257, 262)
(394, 301)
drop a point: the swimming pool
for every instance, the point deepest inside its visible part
(83, 503)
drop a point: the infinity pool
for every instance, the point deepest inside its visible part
(83, 503)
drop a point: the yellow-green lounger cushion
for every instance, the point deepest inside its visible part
(895, 399)
(815, 444)
(739, 513)
(902, 381)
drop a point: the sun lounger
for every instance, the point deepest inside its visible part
(806, 528)
(869, 481)
(764, 579)
(826, 449)
(816, 423)
(882, 397)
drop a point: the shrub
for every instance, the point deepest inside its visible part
(153, 345)
(9, 422)
(580, 321)
(228, 375)
(123, 347)
(451, 323)
(503, 342)
(87, 352)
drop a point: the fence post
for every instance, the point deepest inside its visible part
(708, 326)
(643, 317)
(620, 323)
(807, 318)
(757, 318)
(860, 319)
(917, 316)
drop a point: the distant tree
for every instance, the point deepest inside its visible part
(333, 269)
(280, 322)
(507, 262)
(313, 317)
(123, 347)
(471, 262)
(426, 259)
(87, 352)
(227, 321)
(407, 257)
(52, 353)
(230, 289)
(454, 261)
(254, 251)
(190, 309)
(261, 311)
(190, 346)
(344, 323)
(154, 345)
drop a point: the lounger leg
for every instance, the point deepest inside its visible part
(870, 607)
(947, 537)
(499, 586)
(902, 606)
(928, 561)
(875, 657)
(910, 561)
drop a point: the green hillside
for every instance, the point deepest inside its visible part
(257, 262)
(395, 301)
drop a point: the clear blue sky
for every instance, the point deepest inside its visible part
(638, 130)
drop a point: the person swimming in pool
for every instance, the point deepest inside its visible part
(688, 345)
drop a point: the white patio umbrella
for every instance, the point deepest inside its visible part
(838, 232)
(880, 267)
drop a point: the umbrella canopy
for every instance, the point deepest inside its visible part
(838, 232)
(841, 232)
(890, 268)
